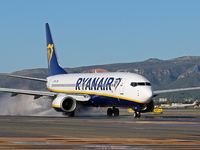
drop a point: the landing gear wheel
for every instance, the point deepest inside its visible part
(109, 112)
(136, 115)
(112, 111)
(139, 115)
(116, 112)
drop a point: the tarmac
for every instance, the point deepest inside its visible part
(97, 131)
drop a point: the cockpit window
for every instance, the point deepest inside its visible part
(148, 84)
(133, 84)
(140, 84)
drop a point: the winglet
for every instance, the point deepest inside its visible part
(53, 64)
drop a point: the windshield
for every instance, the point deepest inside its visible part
(140, 84)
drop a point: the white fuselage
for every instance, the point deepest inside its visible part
(123, 86)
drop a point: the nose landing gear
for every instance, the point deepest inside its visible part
(136, 114)
(137, 110)
(113, 110)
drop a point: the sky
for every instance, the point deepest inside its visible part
(96, 32)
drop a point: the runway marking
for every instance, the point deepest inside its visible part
(147, 122)
(96, 143)
(184, 135)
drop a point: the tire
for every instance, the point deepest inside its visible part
(135, 115)
(139, 115)
(116, 112)
(109, 112)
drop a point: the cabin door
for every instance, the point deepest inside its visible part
(122, 86)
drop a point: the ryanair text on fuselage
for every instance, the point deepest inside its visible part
(97, 83)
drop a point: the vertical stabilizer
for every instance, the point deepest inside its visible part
(53, 64)
(195, 102)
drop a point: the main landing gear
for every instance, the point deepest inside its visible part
(136, 114)
(112, 111)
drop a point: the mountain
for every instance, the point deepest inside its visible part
(163, 74)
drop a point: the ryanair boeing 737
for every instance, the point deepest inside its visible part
(113, 90)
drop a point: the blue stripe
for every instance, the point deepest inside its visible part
(104, 101)
(58, 109)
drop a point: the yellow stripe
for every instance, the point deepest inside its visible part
(50, 52)
(82, 92)
(56, 106)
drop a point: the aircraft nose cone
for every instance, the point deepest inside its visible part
(148, 95)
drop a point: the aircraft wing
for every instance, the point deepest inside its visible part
(23, 77)
(175, 90)
(38, 94)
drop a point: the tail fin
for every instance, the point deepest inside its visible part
(195, 103)
(53, 64)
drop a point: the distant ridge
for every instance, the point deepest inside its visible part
(95, 71)
(163, 74)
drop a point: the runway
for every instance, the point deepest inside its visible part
(100, 132)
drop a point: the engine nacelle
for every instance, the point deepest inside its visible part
(64, 103)
(148, 108)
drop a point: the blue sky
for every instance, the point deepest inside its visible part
(95, 32)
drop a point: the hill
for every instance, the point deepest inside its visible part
(163, 74)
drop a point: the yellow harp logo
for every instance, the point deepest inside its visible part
(50, 52)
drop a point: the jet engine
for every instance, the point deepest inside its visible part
(64, 103)
(148, 107)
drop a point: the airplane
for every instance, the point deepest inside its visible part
(112, 90)
(184, 105)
